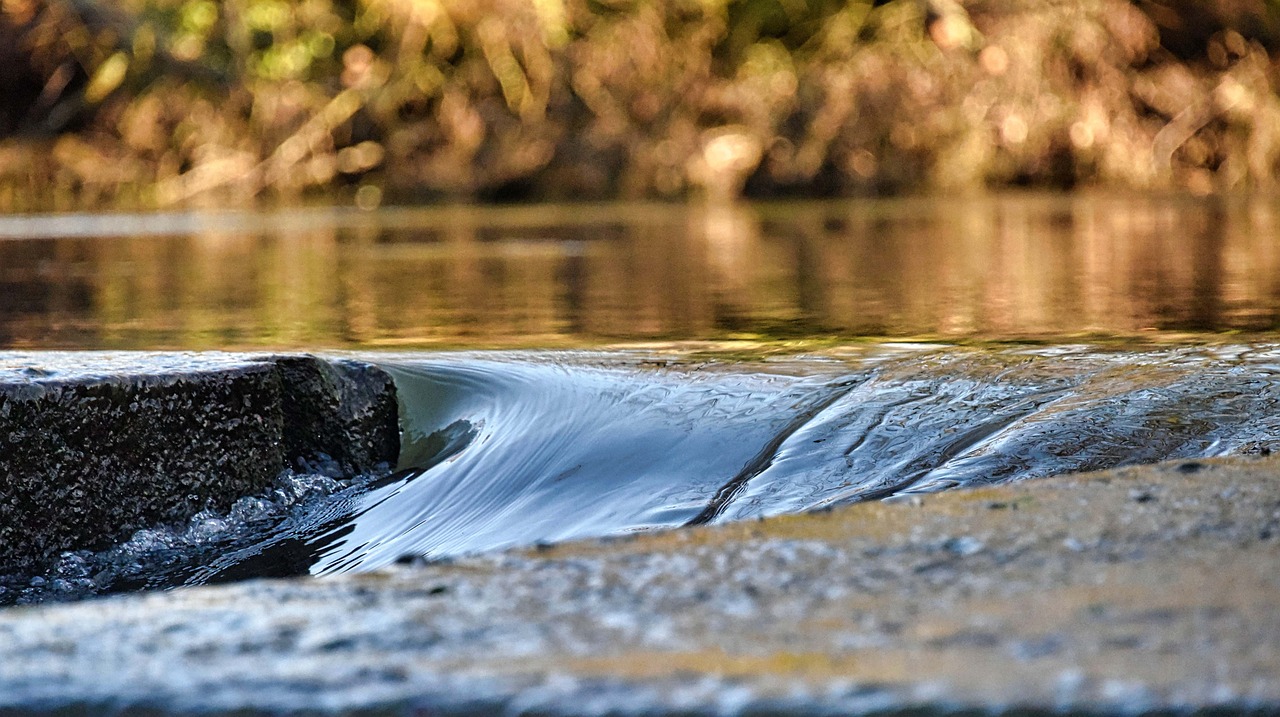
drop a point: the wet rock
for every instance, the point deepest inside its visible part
(811, 614)
(345, 410)
(96, 446)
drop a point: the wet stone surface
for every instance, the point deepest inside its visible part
(1126, 591)
(94, 447)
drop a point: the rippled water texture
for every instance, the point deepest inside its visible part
(998, 267)
(519, 450)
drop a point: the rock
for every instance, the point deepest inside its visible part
(344, 409)
(95, 446)
(1164, 607)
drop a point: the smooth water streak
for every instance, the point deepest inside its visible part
(523, 450)
(504, 450)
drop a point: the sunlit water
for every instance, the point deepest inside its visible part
(999, 267)
(517, 449)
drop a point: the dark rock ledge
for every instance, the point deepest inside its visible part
(94, 446)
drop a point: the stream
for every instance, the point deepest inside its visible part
(570, 372)
(545, 449)
(514, 449)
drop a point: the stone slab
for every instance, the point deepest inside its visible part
(94, 446)
(1138, 590)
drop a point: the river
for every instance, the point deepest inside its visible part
(662, 366)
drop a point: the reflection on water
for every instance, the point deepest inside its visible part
(989, 267)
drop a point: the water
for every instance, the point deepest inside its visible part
(532, 449)
(507, 449)
(1043, 267)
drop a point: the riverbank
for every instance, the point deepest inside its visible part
(1125, 591)
(155, 103)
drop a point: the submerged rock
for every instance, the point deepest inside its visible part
(95, 447)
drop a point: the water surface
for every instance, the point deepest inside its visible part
(506, 449)
(516, 449)
(1008, 266)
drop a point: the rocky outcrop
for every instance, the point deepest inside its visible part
(95, 446)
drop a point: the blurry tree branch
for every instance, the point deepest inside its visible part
(175, 100)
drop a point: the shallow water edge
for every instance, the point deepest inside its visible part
(502, 450)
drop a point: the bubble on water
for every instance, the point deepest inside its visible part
(250, 509)
(206, 526)
(73, 564)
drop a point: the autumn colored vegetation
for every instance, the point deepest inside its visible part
(162, 102)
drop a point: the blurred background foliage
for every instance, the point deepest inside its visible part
(159, 102)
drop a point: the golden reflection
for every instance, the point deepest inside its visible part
(998, 268)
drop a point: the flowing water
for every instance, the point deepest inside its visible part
(519, 449)
(507, 448)
(548, 448)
